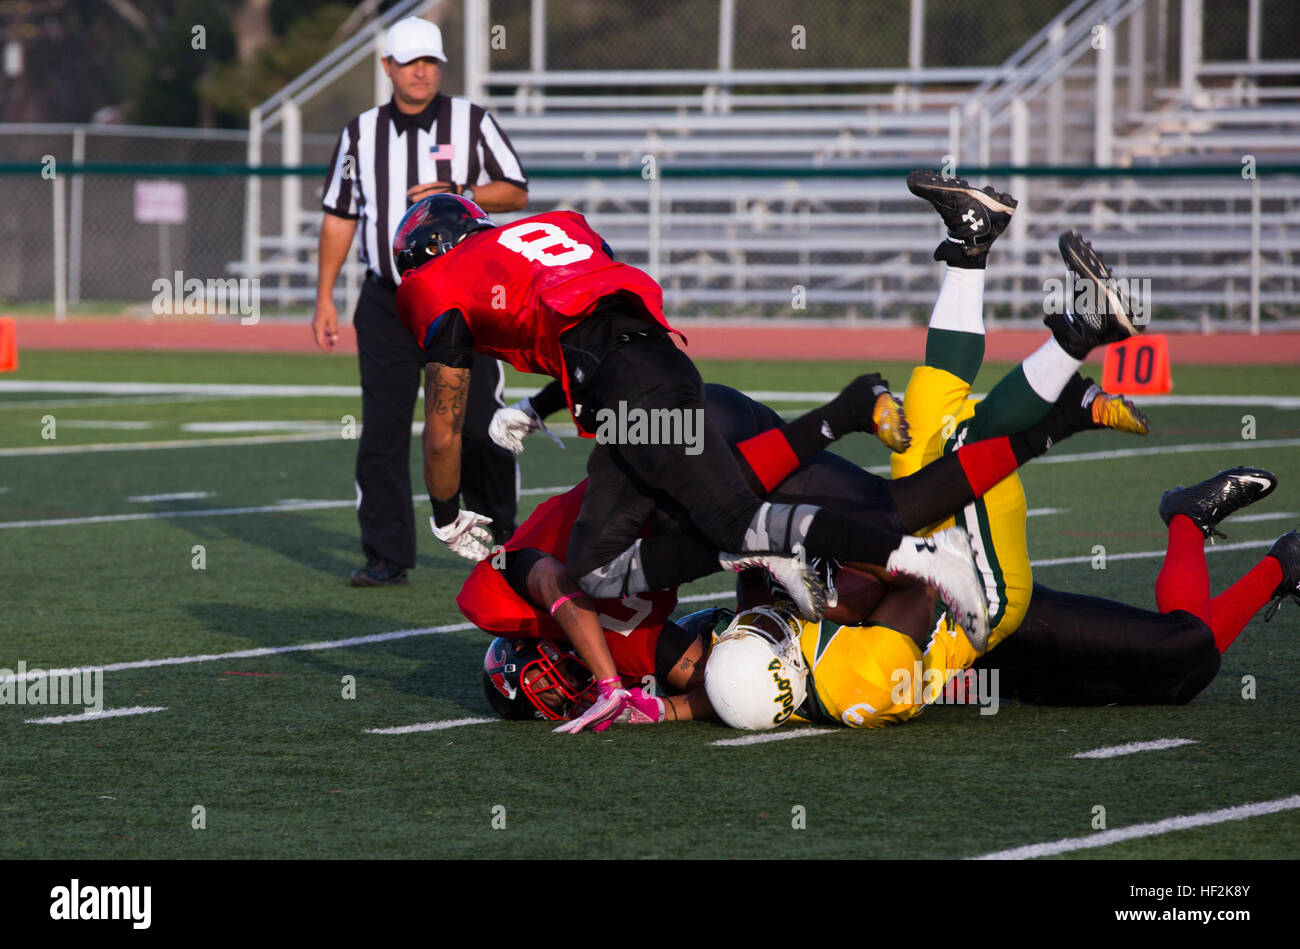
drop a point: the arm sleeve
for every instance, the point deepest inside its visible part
(549, 400)
(498, 160)
(340, 195)
(449, 341)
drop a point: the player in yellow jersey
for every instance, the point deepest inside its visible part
(874, 674)
(938, 404)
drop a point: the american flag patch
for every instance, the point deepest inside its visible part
(442, 152)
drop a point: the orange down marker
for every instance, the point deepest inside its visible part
(8, 344)
(1138, 366)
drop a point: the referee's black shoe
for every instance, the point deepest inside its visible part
(379, 573)
(974, 218)
(1286, 551)
(1216, 498)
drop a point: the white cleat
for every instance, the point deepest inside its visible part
(794, 574)
(946, 561)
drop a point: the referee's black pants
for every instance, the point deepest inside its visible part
(390, 382)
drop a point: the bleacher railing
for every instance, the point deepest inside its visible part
(1216, 245)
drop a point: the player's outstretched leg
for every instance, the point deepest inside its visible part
(1217, 498)
(1024, 395)
(1113, 411)
(1286, 551)
(974, 218)
(952, 481)
(1097, 313)
(1192, 515)
(1275, 577)
(1094, 315)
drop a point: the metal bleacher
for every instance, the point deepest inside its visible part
(729, 224)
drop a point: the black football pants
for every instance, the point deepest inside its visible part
(1083, 650)
(626, 478)
(391, 371)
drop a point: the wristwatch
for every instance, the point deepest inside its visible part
(467, 191)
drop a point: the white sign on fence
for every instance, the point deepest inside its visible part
(160, 202)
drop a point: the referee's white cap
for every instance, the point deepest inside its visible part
(412, 39)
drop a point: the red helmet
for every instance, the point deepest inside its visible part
(434, 225)
(536, 678)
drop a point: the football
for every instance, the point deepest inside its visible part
(859, 592)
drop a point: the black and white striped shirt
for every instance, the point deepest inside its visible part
(383, 152)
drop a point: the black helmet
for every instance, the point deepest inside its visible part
(704, 623)
(536, 678)
(433, 226)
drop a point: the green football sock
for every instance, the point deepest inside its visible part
(962, 354)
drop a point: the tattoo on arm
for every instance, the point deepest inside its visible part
(446, 393)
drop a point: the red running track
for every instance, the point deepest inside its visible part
(707, 341)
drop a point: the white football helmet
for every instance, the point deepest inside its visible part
(756, 676)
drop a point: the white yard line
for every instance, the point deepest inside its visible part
(1133, 747)
(429, 726)
(1276, 516)
(271, 425)
(1238, 445)
(1149, 554)
(285, 504)
(42, 404)
(1042, 511)
(165, 515)
(301, 647)
(763, 737)
(176, 388)
(161, 446)
(245, 653)
(1137, 831)
(526, 492)
(107, 424)
(94, 716)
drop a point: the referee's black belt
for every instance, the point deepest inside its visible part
(382, 282)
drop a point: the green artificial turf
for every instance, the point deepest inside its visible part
(282, 765)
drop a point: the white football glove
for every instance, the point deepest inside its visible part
(467, 535)
(512, 424)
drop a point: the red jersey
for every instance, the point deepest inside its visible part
(520, 286)
(632, 624)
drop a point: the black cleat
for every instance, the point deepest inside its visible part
(1097, 313)
(379, 573)
(1216, 498)
(974, 218)
(1286, 550)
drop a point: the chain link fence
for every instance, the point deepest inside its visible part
(113, 258)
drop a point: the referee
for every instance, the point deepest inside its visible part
(420, 143)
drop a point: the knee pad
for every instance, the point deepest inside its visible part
(778, 527)
(621, 576)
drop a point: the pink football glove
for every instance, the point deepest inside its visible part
(641, 709)
(610, 704)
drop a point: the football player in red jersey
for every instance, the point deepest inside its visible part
(545, 295)
(506, 593)
(509, 593)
